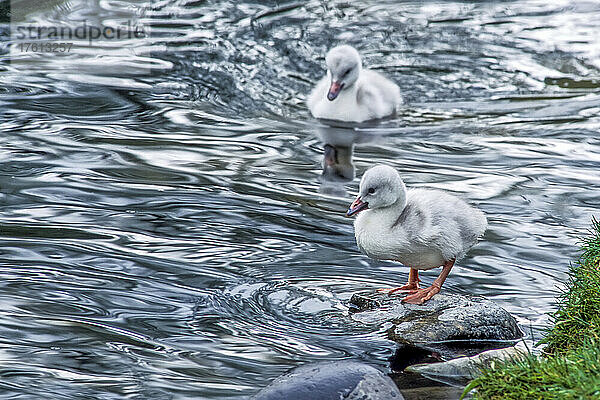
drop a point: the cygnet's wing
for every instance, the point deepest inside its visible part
(369, 97)
(386, 90)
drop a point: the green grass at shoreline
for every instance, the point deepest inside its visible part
(570, 368)
(574, 375)
(578, 314)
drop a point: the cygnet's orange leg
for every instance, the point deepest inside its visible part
(412, 285)
(420, 296)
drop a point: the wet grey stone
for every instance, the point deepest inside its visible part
(335, 380)
(460, 371)
(451, 325)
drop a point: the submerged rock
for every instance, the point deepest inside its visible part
(449, 325)
(463, 369)
(333, 380)
(420, 387)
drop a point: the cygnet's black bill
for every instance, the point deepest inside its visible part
(357, 206)
(334, 90)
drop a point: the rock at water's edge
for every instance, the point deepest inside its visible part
(461, 370)
(332, 381)
(448, 324)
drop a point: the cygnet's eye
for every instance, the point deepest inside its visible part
(371, 190)
(347, 72)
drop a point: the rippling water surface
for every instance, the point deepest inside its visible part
(168, 227)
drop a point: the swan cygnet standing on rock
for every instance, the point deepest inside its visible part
(421, 228)
(351, 93)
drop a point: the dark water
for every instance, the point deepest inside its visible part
(167, 228)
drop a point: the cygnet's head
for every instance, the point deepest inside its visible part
(343, 67)
(380, 187)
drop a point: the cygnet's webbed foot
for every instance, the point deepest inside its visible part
(411, 287)
(422, 295)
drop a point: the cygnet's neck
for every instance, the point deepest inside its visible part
(353, 85)
(349, 89)
(394, 208)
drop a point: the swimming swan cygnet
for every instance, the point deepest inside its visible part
(421, 228)
(351, 93)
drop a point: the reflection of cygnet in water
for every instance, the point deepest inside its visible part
(337, 163)
(338, 146)
(337, 169)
